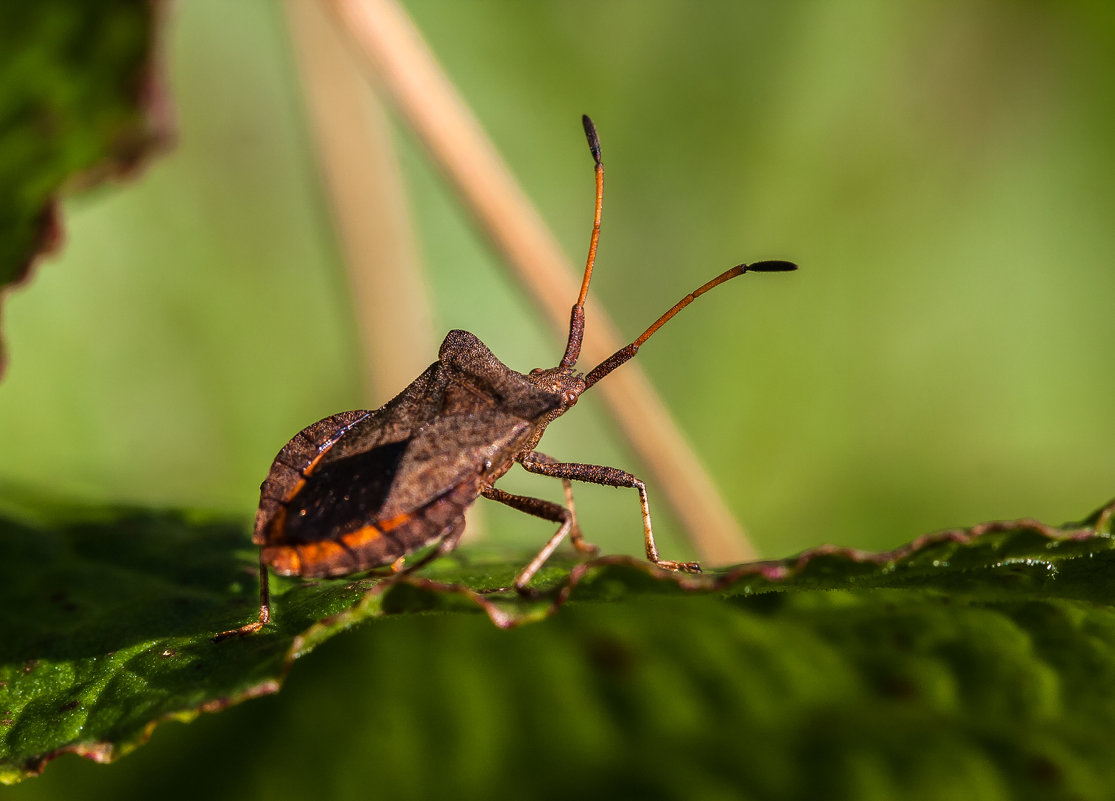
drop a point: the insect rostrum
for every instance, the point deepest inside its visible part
(365, 489)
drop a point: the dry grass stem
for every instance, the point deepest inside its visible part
(426, 98)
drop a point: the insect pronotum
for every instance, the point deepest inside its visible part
(366, 489)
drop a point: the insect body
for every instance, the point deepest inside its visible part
(364, 489)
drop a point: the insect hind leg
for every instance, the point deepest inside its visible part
(539, 508)
(608, 477)
(264, 608)
(447, 543)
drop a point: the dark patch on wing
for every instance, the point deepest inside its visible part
(343, 495)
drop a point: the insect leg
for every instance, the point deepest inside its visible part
(575, 535)
(264, 607)
(538, 508)
(608, 477)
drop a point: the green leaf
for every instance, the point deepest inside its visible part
(79, 101)
(990, 649)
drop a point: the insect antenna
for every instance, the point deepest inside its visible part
(577, 315)
(628, 351)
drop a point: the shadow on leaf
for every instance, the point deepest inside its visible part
(117, 577)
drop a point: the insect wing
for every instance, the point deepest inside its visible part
(451, 450)
(288, 471)
(361, 489)
(375, 506)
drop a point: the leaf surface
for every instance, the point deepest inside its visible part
(994, 646)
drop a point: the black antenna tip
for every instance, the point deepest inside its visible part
(771, 267)
(593, 139)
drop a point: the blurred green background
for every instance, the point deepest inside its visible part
(943, 173)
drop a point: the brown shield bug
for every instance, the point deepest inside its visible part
(366, 489)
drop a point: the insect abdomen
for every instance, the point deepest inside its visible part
(376, 543)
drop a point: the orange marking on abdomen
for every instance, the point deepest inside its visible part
(395, 522)
(297, 560)
(362, 536)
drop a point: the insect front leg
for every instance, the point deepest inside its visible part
(575, 535)
(538, 508)
(608, 477)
